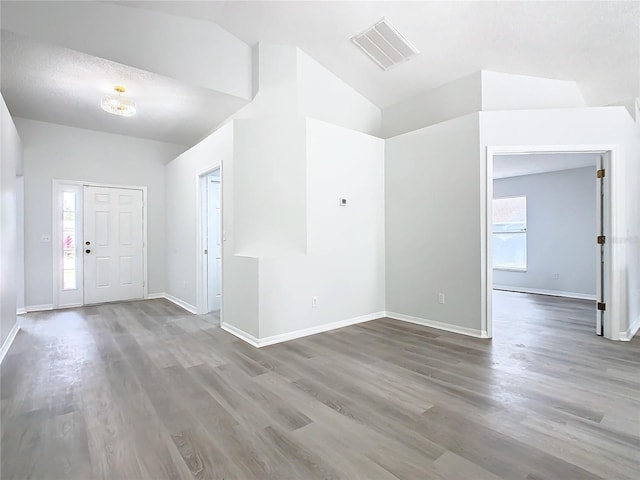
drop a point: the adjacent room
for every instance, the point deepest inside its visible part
(547, 262)
(307, 239)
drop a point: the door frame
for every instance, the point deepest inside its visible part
(613, 217)
(201, 218)
(56, 232)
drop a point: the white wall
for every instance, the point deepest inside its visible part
(270, 187)
(432, 211)
(267, 201)
(344, 265)
(561, 231)
(20, 243)
(323, 96)
(451, 100)
(194, 51)
(633, 224)
(275, 78)
(11, 151)
(435, 211)
(240, 274)
(632, 106)
(483, 90)
(587, 127)
(291, 83)
(505, 91)
(66, 153)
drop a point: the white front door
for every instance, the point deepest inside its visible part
(113, 244)
(214, 250)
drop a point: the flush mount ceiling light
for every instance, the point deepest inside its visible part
(117, 104)
(385, 45)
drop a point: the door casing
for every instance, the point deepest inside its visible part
(611, 222)
(214, 251)
(201, 261)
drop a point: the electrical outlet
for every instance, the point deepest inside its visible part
(45, 237)
(441, 298)
(556, 276)
(314, 301)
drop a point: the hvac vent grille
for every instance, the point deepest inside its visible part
(385, 45)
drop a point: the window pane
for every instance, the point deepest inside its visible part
(69, 240)
(510, 214)
(68, 220)
(69, 258)
(69, 201)
(69, 280)
(509, 250)
(510, 232)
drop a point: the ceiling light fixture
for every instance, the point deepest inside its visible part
(117, 104)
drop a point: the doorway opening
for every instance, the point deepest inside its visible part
(99, 243)
(210, 240)
(548, 214)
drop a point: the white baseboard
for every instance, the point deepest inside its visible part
(45, 307)
(241, 334)
(9, 340)
(439, 325)
(21, 311)
(154, 296)
(631, 331)
(552, 293)
(305, 332)
(38, 308)
(263, 342)
(181, 303)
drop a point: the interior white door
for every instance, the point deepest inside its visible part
(113, 250)
(214, 244)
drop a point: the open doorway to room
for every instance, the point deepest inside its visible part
(547, 218)
(210, 251)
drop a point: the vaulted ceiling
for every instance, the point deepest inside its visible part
(597, 44)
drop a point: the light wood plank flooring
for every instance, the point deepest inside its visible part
(143, 390)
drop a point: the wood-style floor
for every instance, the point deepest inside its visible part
(142, 390)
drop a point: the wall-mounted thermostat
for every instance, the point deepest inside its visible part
(342, 202)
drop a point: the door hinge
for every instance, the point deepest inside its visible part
(600, 173)
(601, 239)
(206, 252)
(602, 306)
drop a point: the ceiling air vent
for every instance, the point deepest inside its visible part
(385, 45)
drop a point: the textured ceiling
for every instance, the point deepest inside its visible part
(54, 84)
(596, 44)
(529, 164)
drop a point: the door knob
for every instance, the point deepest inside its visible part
(87, 251)
(87, 243)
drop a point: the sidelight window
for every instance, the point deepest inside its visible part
(69, 239)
